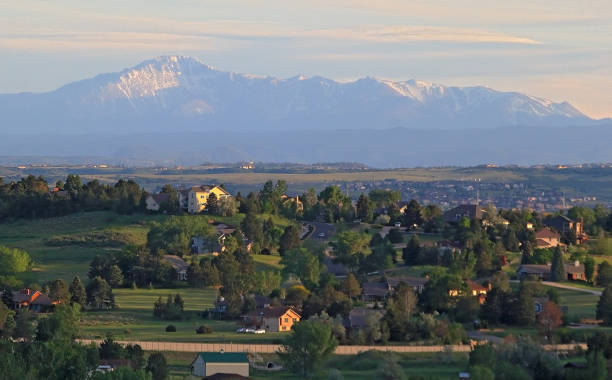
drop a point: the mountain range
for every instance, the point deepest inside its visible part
(142, 108)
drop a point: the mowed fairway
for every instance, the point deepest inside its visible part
(52, 262)
(134, 321)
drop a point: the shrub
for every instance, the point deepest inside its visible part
(170, 328)
(204, 329)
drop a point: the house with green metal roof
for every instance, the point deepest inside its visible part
(210, 363)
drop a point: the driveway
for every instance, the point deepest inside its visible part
(325, 228)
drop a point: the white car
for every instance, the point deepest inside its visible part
(260, 331)
(321, 234)
(249, 331)
(398, 224)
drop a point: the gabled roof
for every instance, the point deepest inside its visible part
(576, 268)
(274, 312)
(473, 285)
(160, 198)
(31, 297)
(547, 233)
(177, 263)
(534, 268)
(376, 289)
(224, 357)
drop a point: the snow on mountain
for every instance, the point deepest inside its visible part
(173, 93)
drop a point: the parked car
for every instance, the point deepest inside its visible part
(241, 330)
(249, 331)
(260, 331)
(321, 234)
(398, 224)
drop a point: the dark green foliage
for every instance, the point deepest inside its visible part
(290, 239)
(411, 253)
(412, 214)
(171, 310)
(99, 294)
(365, 209)
(77, 291)
(170, 328)
(557, 269)
(604, 274)
(395, 236)
(604, 306)
(309, 346)
(156, 364)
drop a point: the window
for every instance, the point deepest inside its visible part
(294, 320)
(284, 327)
(286, 320)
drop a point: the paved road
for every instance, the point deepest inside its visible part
(568, 287)
(327, 229)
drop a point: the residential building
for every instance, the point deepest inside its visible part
(547, 238)
(154, 201)
(378, 291)
(179, 265)
(210, 363)
(472, 212)
(197, 197)
(574, 271)
(565, 225)
(273, 318)
(31, 299)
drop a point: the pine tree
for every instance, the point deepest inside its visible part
(604, 306)
(525, 311)
(77, 291)
(411, 253)
(115, 277)
(557, 268)
(178, 302)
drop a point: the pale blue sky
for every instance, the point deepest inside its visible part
(560, 49)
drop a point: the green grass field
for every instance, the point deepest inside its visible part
(52, 262)
(134, 320)
(579, 304)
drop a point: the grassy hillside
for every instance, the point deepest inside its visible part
(52, 259)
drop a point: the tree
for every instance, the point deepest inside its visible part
(24, 324)
(481, 373)
(604, 274)
(557, 268)
(549, 318)
(156, 364)
(348, 245)
(289, 240)
(308, 347)
(395, 236)
(303, 264)
(115, 276)
(13, 260)
(524, 310)
(589, 269)
(604, 306)
(350, 286)
(412, 214)
(411, 253)
(212, 204)
(77, 292)
(399, 310)
(58, 291)
(365, 210)
(100, 294)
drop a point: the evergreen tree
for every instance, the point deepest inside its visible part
(115, 276)
(365, 210)
(178, 302)
(77, 292)
(557, 268)
(604, 306)
(524, 309)
(411, 253)
(58, 291)
(289, 240)
(212, 206)
(100, 294)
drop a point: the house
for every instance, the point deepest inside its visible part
(455, 215)
(197, 197)
(564, 225)
(179, 265)
(547, 238)
(216, 245)
(378, 291)
(360, 317)
(574, 271)
(31, 299)
(210, 363)
(273, 318)
(154, 201)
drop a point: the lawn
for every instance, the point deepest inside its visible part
(52, 262)
(578, 304)
(267, 262)
(134, 321)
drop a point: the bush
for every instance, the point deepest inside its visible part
(170, 328)
(204, 329)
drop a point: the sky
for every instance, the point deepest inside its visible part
(560, 50)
